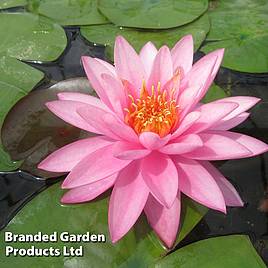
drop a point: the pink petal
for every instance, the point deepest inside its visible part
(83, 98)
(218, 146)
(119, 128)
(152, 141)
(88, 192)
(128, 64)
(147, 56)
(67, 157)
(162, 69)
(160, 175)
(129, 151)
(255, 146)
(186, 123)
(203, 73)
(67, 111)
(172, 86)
(93, 116)
(231, 123)
(94, 69)
(211, 113)
(182, 54)
(187, 98)
(219, 53)
(116, 94)
(230, 194)
(127, 201)
(183, 145)
(244, 103)
(164, 221)
(94, 167)
(196, 182)
(130, 89)
(107, 65)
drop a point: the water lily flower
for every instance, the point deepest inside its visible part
(155, 137)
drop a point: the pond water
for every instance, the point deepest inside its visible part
(249, 176)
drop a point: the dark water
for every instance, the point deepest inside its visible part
(248, 175)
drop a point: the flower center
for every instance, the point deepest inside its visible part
(156, 112)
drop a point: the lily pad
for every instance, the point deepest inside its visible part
(12, 3)
(221, 252)
(155, 14)
(245, 37)
(139, 248)
(16, 80)
(105, 35)
(69, 12)
(31, 37)
(31, 132)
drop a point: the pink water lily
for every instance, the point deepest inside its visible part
(155, 136)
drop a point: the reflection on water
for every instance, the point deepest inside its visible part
(247, 175)
(16, 188)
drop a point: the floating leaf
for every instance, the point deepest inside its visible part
(16, 80)
(245, 37)
(139, 248)
(31, 132)
(105, 34)
(31, 37)
(221, 252)
(69, 12)
(214, 93)
(152, 14)
(6, 164)
(12, 3)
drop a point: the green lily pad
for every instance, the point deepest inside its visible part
(155, 14)
(138, 248)
(31, 37)
(214, 93)
(105, 35)
(12, 3)
(16, 80)
(245, 37)
(69, 12)
(31, 132)
(6, 164)
(221, 252)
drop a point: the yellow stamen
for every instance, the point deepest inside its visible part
(156, 112)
